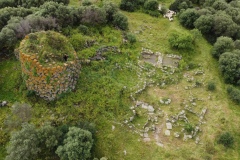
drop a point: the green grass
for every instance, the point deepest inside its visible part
(104, 87)
(48, 46)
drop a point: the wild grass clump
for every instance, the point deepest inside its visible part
(131, 38)
(226, 139)
(188, 127)
(211, 86)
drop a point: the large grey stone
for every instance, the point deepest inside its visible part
(169, 125)
(4, 103)
(150, 109)
(167, 133)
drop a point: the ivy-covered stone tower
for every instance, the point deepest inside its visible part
(49, 64)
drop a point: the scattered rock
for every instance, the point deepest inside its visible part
(125, 152)
(176, 134)
(113, 127)
(169, 15)
(159, 144)
(186, 137)
(150, 109)
(167, 133)
(131, 118)
(4, 103)
(197, 140)
(145, 135)
(169, 125)
(147, 139)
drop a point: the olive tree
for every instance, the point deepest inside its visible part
(77, 145)
(229, 64)
(24, 144)
(223, 44)
(188, 17)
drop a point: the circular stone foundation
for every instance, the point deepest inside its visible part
(49, 64)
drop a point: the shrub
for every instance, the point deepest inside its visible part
(151, 5)
(211, 86)
(234, 94)
(204, 24)
(78, 41)
(229, 63)
(177, 5)
(60, 12)
(181, 41)
(94, 15)
(131, 38)
(86, 3)
(198, 84)
(83, 29)
(77, 144)
(188, 17)
(24, 144)
(223, 44)
(127, 5)
(120, 20)
(153, 13)
(110, 9)
(163, 10)
(226, 139)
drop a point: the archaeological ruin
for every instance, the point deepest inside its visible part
(49, 64)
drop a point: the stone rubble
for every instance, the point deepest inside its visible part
(170, 14)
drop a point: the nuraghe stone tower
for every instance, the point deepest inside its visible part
(49, 64)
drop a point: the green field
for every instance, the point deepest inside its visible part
(104, 88)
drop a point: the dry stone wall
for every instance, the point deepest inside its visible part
(49, 80)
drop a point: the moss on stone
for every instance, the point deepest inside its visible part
(49, 47)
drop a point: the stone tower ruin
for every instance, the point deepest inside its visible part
(49, 64)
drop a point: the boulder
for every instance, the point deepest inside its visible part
(167, 133)
(169, 125)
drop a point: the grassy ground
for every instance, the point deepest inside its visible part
(104, 87)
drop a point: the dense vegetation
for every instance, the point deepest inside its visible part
(89, 122)
(219, 22)
(17, 22)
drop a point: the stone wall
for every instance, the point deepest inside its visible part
(49, 80)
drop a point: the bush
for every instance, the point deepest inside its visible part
(181, 41)
(77, 144)
(131, 38)
(188, 17)
(127, 6)
(78, 41)
(223, 44)
(27, 3)
(24, 144)
(7, 13)
(153, 13)
(60, 12)
(234, 94)
(211, 86)
(226, 139)
(151, 5)
(86, 3)
(110, 9)
(120, 20)
(229, 63)
(177, 5)
(204, 24)
(163, 10)
(83, 29)
(94, 15)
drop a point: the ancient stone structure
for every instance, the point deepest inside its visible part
(52, 75)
